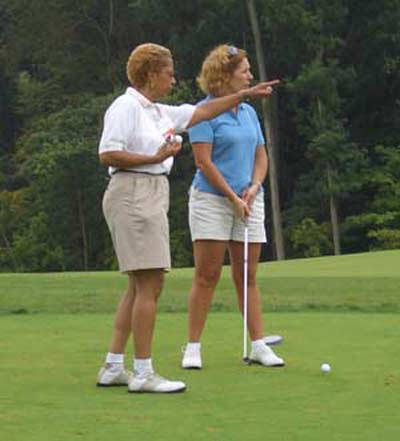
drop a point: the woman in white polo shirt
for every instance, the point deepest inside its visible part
(136, 147)
(231, 165)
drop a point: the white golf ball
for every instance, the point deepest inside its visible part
(178, 138)
(325, 368)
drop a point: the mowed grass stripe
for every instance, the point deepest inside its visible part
(361, 282)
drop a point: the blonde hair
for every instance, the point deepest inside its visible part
(145, 59)
(218, 67)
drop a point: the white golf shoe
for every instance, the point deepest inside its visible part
(191, 358)
(265, 356)
(155, 384)
(110, 376)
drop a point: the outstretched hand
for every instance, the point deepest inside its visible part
(261, 90)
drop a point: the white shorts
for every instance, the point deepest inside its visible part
(212, 217)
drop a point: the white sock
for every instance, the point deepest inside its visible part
(256, 344)
(193, 347)
(142, 366)
(114, 358)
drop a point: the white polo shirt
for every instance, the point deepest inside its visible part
(134, 124)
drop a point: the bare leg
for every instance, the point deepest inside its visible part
(208, 256)
(148, 284)
(123, 320)
(255, 321)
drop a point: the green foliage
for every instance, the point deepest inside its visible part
(385, 239)
(336, 163)
(310, 239)
(11, 214)
(376, 231)
(385, 178)
(59, 159)
(36, 98)
(61, 63)
(35, 249)
(373, 48)
(378, 227)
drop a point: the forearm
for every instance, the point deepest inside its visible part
(217, 180)
(260, 168)
(216, 106)
(121, 159)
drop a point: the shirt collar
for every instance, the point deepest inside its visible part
(145, 102)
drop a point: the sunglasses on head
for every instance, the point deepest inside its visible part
(232, 51)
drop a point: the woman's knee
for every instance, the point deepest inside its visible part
(252, 278)
(207, 279)
(131, 289)
(238, 279)
(149, 282)
(159, 286)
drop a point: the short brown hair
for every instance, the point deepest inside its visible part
(145, 59)
(218, 67)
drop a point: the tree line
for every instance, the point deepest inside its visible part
(332, 128)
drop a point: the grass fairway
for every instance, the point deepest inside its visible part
(55, 327)
(48, 391)
(368, 282)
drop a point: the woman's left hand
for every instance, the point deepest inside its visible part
(250, 194)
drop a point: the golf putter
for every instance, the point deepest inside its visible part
(245, 296)
(269, 340)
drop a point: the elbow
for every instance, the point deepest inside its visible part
(104, 159)
(201, 164)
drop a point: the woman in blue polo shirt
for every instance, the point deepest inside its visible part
(231, 162)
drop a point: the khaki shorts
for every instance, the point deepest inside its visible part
(212, 217)
(135, 206)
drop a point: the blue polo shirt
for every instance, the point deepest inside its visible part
(234, 138)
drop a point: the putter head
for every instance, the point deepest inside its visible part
(246, 360)
(272, 340)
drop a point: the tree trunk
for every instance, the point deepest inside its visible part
(105, 36)
(111, 18)
(81, 217)
(332, 200)
(270, 112)
(334, 216)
